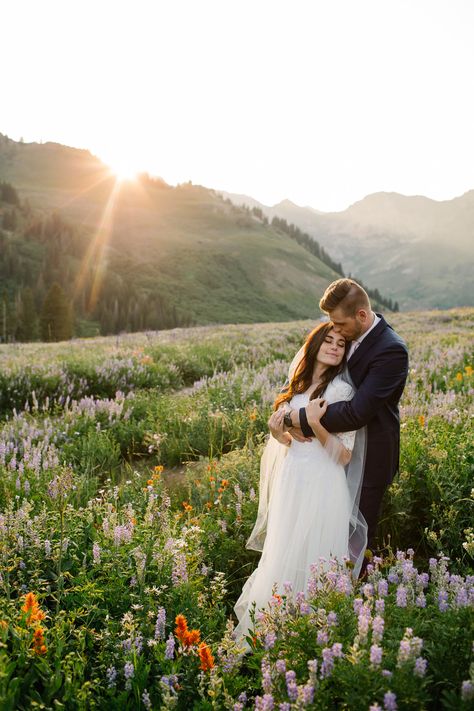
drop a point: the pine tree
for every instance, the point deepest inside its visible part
(56, 315)
(27, 318)
(7, 318)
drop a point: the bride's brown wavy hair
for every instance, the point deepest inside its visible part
(303, 375)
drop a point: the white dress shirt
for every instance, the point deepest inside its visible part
(355, 344)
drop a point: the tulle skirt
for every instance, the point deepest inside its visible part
(308, 518)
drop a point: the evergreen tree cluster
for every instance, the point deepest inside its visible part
(311, 245)
(51, 290)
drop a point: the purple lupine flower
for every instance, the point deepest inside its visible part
(288, 587)
(238, 707)
(387, 673)
(313, 667)
(307, 694)
(242, 698)
(420, 600)
(305, 608)
(332, 619)
(266, 679)
(363, 623)
(96, 553)
(284, 706)
(467, 690)
(390, 701)
(420, 667)
(291, 686)
(462, 599)
(378, 626)
(322, 637)
(179, 574)
(337, 650)
(111, 674)
(292, 690)
(138, 643)
(380, 606)
(128, 671)
(404, 650)
(392, 577)
(374, 707)
(270, 639)
(169, 649)
(328, 662)
(368, 590)
(357, 605)
(376, 655)
(443, 600)
(408, 571)
(344, 584)
(401, 596)
(265, 703)
(280, 666)
(423, 580)
(146, 699)
(160, 623)
(382, 588)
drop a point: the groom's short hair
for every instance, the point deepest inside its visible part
(346, 294)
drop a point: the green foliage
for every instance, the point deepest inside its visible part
(56, 315)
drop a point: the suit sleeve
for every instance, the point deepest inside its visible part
(387, 373)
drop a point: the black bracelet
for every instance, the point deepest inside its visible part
(305, 427)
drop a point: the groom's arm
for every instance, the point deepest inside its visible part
(386, 375)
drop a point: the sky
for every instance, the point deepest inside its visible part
(317, 101)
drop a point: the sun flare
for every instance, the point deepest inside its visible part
(124, 169)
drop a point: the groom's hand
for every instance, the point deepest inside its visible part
(295, 431)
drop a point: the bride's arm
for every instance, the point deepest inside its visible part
(314, 411)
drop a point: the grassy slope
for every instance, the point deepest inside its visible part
(210, 259)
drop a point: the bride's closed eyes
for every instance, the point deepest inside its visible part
(340, 342)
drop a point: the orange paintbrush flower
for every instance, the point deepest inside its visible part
(32, 609)
(39, 646)
(205, 656)
(181, 627)
(191, 638)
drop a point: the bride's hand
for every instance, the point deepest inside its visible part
(316, 409)
(276, 424)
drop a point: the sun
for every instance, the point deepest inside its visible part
(124, 169)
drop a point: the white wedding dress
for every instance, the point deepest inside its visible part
(308, 509)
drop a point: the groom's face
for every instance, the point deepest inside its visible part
(351, 327)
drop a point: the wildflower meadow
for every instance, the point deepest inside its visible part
(129, 471)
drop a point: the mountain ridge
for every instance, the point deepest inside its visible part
(419, 249)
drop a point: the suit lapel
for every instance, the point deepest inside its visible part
(367, 343)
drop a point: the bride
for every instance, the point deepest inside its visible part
(309, 489)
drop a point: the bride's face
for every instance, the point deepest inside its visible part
(332, 349)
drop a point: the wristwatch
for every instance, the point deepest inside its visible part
(287, 419)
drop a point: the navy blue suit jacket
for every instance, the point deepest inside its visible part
(379, 369)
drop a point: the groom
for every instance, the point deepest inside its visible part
(377, 360)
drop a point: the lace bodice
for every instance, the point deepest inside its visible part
(338, 390)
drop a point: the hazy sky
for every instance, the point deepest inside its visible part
(318, 101)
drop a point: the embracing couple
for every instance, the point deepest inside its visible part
(333, 449)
